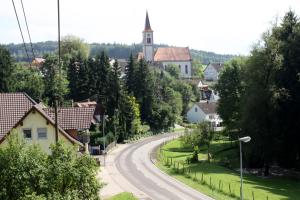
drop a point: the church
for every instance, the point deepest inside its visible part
(164, 56)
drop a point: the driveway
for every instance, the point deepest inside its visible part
(129, 168)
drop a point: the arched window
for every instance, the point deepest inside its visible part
(196, 109)
(186, 69)
(179, 67)
(148, 40)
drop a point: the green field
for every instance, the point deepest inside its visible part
(123, 196)
(216, 179)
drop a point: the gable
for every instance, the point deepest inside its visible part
(13, 106)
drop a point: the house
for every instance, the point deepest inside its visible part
(212, 71)
(98, 108)
(35, 123)
(38, 62)
(164, 56)
(204, 111)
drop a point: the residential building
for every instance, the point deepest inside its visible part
(212, 71)
(35, 124)
(204, 111)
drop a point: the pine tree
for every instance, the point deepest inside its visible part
(130, 71)
(83, 81)
(6, 70)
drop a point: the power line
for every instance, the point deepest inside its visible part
(21, 32)
(28, 29)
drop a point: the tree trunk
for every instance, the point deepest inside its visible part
(208, 156)
(267, 169)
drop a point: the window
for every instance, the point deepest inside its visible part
(27, 133)
(42, 133)
(186, 69)
(179, 67)
(148, 40)
(196, 109)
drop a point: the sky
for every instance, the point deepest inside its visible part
(226, 27)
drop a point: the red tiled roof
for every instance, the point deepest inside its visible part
(73, 118)
(208, 107)
(172, 54)
(13, 106)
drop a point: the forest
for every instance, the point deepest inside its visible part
(118, 51)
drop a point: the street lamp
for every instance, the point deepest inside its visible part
(116, 112)
(245, 140)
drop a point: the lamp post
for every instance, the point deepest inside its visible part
(245, 140)
(115, 120)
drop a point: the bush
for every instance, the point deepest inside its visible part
(27, 173)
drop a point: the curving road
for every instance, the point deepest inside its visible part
(135, 165)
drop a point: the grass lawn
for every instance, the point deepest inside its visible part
(123, 196)
(216, 179)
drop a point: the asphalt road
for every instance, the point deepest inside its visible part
(135, 165)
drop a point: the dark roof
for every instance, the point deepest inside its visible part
(13, 106)
(147, 23)
(73, 118)
(208, 107)
(172, 54)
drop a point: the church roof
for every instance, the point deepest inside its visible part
(172, 54)
(147, 23)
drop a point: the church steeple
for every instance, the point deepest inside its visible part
(147, 23)
(148, 49)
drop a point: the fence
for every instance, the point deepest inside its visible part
(216, 185)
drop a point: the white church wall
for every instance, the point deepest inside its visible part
(182, 64)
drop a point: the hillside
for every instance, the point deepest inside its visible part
(114, 50)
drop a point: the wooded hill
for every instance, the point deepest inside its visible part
(113, 50)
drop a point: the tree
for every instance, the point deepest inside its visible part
(27, 173)
(6, 70)
(204, 135)
(230, 89)
(173, 70)
(130, 71)
(29, 80)
(72, 46)
(56, 84)
(115, 88)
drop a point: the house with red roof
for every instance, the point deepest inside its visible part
(164, 56)
(35, 124)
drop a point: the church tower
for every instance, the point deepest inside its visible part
(148, 49)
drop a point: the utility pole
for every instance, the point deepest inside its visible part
(59, 67)
(56, 120)
(103, 128)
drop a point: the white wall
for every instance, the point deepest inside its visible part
(148, 49)
(194, 116)
(182, 68)
(210, 73)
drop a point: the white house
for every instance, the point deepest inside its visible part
(163, 56)
(212, 71)
(204, 111)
